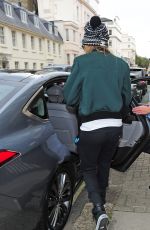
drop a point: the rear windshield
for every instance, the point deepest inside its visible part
(136, 70)
(5, 91)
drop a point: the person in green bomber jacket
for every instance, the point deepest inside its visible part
(99, 86)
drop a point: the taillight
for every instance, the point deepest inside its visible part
(7, 155)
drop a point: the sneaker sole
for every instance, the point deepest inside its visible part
(102, 222)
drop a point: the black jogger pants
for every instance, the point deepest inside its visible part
(96, 149)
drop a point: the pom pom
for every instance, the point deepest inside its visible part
(95, 22)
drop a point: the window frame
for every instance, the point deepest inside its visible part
(54, 48)
(36, 22)
(59, 49)
(16, 65)
(74, 36)
(26, 65)
(40, 45)
(8, 10)
(14, 38)
(110, 32)
(24, 41)
(68, 58)
(50, 28)
(110, 43)
(48, 46)
(39, 93)
(32, 43)
(34, 66)
(23, 16)
(67, 34)
(2, 35)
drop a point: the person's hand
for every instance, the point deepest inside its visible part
(141, 110)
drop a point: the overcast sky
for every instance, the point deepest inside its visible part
(134, 19)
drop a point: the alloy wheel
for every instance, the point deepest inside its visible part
(59, 201)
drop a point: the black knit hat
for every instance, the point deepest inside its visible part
(96, 33)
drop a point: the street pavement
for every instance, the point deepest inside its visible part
(128, 200)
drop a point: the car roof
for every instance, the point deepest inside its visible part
(138, 68)
(15, 77)
(33, 79)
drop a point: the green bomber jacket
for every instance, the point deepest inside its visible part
(99, 85)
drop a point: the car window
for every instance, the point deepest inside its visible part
(38, 107)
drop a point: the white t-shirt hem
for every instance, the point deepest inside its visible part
(100, 123)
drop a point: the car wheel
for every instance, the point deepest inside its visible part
(58, 201)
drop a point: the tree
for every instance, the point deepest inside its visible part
(142, 61)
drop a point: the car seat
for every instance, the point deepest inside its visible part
(64, 122)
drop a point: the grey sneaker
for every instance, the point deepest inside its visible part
(100, 217)
(102, 222)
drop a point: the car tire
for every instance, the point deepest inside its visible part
(58, 201)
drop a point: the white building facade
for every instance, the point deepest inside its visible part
(70, 16)
(115, 35)
(120, 44)
(128, 49)
(26, 41)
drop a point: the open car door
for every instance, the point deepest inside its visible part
(136, 130)
(135, 137)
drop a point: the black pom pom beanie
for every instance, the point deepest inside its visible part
(95, 33)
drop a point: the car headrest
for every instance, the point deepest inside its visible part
(55, 94)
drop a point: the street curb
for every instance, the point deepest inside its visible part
(78, 192)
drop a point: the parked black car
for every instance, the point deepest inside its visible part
(39, 163)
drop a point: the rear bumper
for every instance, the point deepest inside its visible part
(14, 217)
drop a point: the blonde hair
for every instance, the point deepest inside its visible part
(105, 50)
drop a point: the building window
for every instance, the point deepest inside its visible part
(23, 16)
(110, 43)
(8, 9)
(34, 66)
(24, 44)
(40, 44)
(129, 46)
(32, 43)
(68, 59)
(74, 35)
(26, 65)
(59, 49)
(110, 32)
(2, 38)
(16, 65)
(50, 29)
(77, 13)
(55, 31)
(48, 46)
(54, 47)
(84, 16)
(67, 34)
(41, 65)
(14, 38)
(36, 22)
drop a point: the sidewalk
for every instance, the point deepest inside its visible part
(128, 197)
